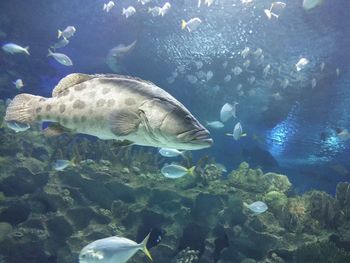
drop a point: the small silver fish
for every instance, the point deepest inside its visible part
(237, 132)
(191, 24)
(165, 9)
(127, 12)
(301, 63)
(310, 4)
(169, 152)
(237, 71)
(14, 48)
(60, 44)
(68, 32)
(61, 58)
(176, 171)
(18, 83)
(192, 79)
(215, 124)
(107, 7)
(228, 111)
(155, 11)
(112, 249)
(257, 207)
(227, 78)
(60, 165)
(245, 52)
(209, 75)
(275, 10)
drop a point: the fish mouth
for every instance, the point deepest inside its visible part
(195, 136)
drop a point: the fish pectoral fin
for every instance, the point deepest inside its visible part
(54, 130)
(123, 122)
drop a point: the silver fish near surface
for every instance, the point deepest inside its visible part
(113, 107)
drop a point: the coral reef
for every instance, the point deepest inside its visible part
(48, 215)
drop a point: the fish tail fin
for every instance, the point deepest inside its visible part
(245, 204)
(124, 10)
(104, 6)
(144, 247)
(229, 134)
(59, 33)
(26, 50)
(268, 13)
(50, 53)
(22, 108)
(199, 3)
(183, 24)
(191, 170)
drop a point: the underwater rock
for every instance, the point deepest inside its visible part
(343, 197)
(255, 181)
(276, 201)
(186, 255)
(324, 209)
(5, 229)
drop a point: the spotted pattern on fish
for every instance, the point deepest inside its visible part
(130, 101)
(100, 102)
(78, 104)
(48, 107)
(110, 102)
(62, 108)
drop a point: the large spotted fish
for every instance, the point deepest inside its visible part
(113, 107)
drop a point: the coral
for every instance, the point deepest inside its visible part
(187, 256)
(321, 252)
(255, 181)
(276, 201)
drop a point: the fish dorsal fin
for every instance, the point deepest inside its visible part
(122, 77)
(69, 81)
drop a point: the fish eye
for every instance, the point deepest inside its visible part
(188, 118)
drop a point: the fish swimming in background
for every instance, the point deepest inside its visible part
(301, 63)
(61, 58)
(215, 124)
(127, 12)
(228, 111)
(257, 207)
(191, 24)
(14, 48)
(60, 44)
(107, 7)
(116, 55)
(112, 250)
(60, 165)
(68, 32)
(227, 78)
(143, 2)
(275, 10)
(209, 75)
(174, 171)
(310, 4)
(165, 9)
(18, 83)
(237, 132)
(169, 152)
(237, 71)
(313, 83)
(245, 52)
(113, 107)
(155, 11)
(206, 2)
(337, 72)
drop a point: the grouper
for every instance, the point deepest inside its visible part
(112, 107)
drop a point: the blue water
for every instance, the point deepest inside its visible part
(288, 129)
